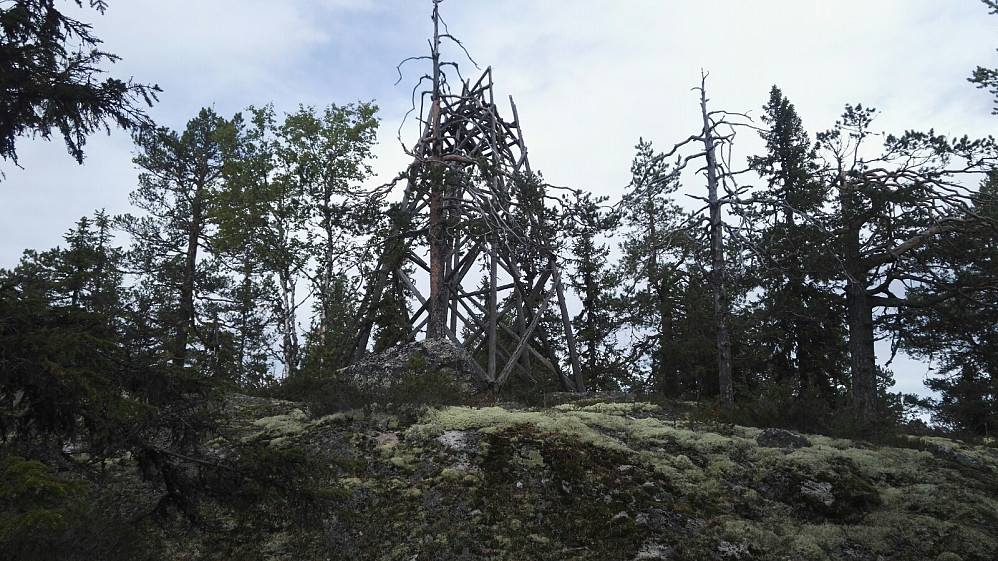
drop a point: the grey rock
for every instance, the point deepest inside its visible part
(441, 362)
(779, 438)
(818, 491)
(955, 456)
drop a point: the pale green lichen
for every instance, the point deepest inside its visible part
(388, 449)
(530, 459)
(612, 408)
(493, 419)
(341, 418)
(451, 473)
(351, 482)
(280, 425)
(405, 461)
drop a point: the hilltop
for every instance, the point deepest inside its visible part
(589, 479)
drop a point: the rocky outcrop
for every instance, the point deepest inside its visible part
(590, 479)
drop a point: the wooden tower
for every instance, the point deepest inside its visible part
(471, 250)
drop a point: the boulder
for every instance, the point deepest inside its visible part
(779, 438)
(436, 371)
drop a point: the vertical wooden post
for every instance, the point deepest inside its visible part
(493, 311)
(566, 321)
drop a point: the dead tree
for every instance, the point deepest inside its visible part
(468, 220)
(716, 137)
(719, 282)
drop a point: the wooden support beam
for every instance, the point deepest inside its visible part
(566, 320)
(524, 341)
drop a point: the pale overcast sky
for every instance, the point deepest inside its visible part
(589, 78)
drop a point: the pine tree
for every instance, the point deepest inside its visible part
(654, 248)
(181, 175)
(888, 207)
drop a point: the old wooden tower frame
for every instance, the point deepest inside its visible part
(464, 206)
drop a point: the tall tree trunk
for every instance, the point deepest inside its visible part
(859, 312)
(437, 325)
(718, 272)
(186, 323)
(289, 335)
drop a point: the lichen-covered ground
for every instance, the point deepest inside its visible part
(585, 480)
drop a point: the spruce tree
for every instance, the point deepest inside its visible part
(799, 332)
(596, 281)
(958, 334)
(50, 75)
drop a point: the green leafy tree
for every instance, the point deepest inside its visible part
(712, 144)
(533, 248)
(50, 75)
(326, 156)
(329, 345)
(246, 309)
(303, 217)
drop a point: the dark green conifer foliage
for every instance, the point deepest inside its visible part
(799, 334)
(329, 346)
(37, 509)
(50, 67)
(391, 316)
(988, 77)
(541, 230)
(655, 245)
(62, 370)
(593, 276)
(959, 335)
